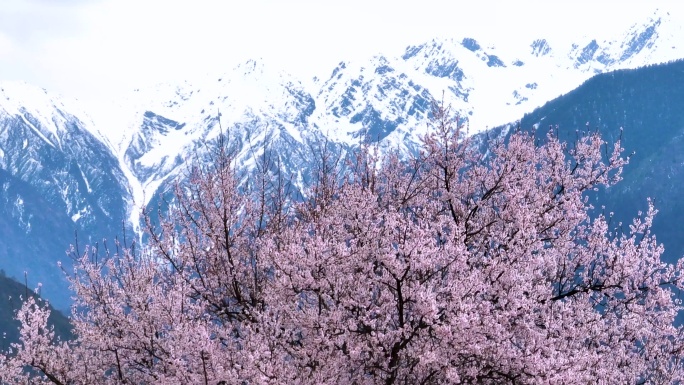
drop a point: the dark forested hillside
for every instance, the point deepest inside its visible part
(648, 104)
(11, 295)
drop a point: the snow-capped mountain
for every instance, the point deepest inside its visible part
(45, 142)
(57, 180)
(489, 83)
(255, 106)
(385, 98)
(98, 166)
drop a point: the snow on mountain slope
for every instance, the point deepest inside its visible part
(165, 126)
(491, 83)
(37, 109)
(371, 102)
(48, 142)
(383, 99)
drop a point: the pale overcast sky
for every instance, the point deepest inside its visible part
(94, 48)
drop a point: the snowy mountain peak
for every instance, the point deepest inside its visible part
(45, 113)
(168, 123)
(384, 98)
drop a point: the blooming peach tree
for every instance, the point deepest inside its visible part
(455, 265)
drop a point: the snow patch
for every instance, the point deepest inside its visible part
(85, 180)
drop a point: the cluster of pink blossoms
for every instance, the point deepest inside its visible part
(454, 266)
